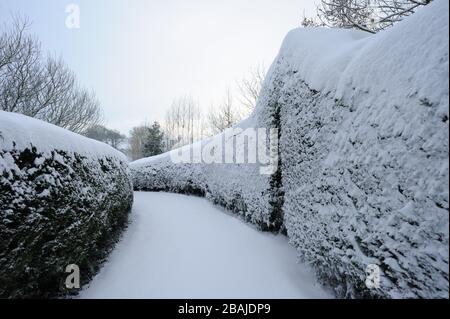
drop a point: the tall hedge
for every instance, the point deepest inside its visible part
(363, 179)
(57, 207)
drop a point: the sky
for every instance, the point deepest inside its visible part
(140, 55)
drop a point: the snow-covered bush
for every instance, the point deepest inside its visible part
(364, 150)
(64, 199)
(363, 174)
(238, 187)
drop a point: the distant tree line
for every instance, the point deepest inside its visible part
(367, 15)
(40, 85)
(185, 123)
(105, 135)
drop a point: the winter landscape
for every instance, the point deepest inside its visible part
(320, 173)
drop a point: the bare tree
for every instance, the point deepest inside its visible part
(11, 39)
(224, 116)
(392, 11)
(366, 15)
(250, 87)
(137, 139)
(183, 123)
(309, 22)
(356, 14)
(20, 72)
(44, 88)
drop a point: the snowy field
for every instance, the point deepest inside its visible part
(184, 247)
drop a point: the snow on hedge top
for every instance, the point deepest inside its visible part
(407, 60)
(196, 148)
(24, 131)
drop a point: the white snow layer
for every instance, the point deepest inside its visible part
(184, 247)
(60, 194)
(239, 187)
(364, 156)
(19, 132)
(407, 60)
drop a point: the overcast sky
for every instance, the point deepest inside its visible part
(139, 55)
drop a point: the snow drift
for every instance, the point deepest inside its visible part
(63, 200)
(363, 172)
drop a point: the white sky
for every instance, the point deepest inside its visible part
(139, 55)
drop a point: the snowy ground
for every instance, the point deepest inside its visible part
(184, 247)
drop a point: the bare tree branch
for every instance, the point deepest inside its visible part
(40, 87)
(366, 15)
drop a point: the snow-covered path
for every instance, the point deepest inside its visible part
(184, 247)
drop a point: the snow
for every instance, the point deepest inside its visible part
(184, 247)
(18, 131)
(364, 147)
(364, 152)
(397, 63)
(45, 173)
(364, 180)
(225, 184)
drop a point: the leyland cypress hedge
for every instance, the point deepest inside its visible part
(64, 199)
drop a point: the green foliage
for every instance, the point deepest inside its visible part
(154, 142)
(57, 210)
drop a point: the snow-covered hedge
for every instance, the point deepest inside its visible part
(363, 174)
(238, 187)
(63, 200)
(364, 144)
